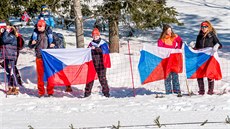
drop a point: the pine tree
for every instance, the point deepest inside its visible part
(111, 10)
(16, 7)
(150, 14)
(5, 9)
(145, 14)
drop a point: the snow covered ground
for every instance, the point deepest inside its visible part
(140, 112)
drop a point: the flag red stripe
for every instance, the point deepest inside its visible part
(210, 69)
(173, 63)
(73, 75)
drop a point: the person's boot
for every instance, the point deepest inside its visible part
(50, 95)
(41, 95)
(88, 89)
(107, 95)
(87, 94)
(9, 90)
(179, 94)
(201, 86)
(12, 91)
(68, 89)
(210, 86)
(15, 91)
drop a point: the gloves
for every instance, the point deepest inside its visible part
(216, 47)
(192, 44)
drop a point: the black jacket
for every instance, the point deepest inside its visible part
(42, 41)
(209, 41)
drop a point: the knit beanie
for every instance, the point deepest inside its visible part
(95, 32)
(41, 23)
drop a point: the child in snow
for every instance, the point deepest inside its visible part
(44, 40)
(45, 15)
(206, 38)
(101, 61)
(169, 39)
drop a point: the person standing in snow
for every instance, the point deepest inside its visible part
(101, 61)
(20, 43)
(206, 38)
(43, 39)
(169, 39)
(46, 15)
(10, 54)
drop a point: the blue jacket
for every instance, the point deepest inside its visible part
(48, 18)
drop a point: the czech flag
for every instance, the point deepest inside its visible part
(157, 62)
(202, 63)
(105, 51)
(68, 66)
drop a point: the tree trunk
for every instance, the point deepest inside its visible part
(78, 24)
(113, 36)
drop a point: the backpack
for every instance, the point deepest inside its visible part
(20, 42)
(59, 40)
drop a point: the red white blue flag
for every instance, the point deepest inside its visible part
(68, 66)
(156, 63)
(105, 51)
(202, 63)
(25, 17)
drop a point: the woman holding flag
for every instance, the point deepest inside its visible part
(169, 39)
(206, 38)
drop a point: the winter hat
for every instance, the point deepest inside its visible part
(44, 8)
(204, 24)
(95, 32)
(41, 23)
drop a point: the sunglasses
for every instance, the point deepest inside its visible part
(41, 26)
(45, 9)
(203, 27)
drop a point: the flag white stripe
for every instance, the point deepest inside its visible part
(160, 51)
(75, 56)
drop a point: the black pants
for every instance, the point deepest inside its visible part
(201, 85)
(11, 81)
(101, 72)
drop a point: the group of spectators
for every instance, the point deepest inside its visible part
(42, 38)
